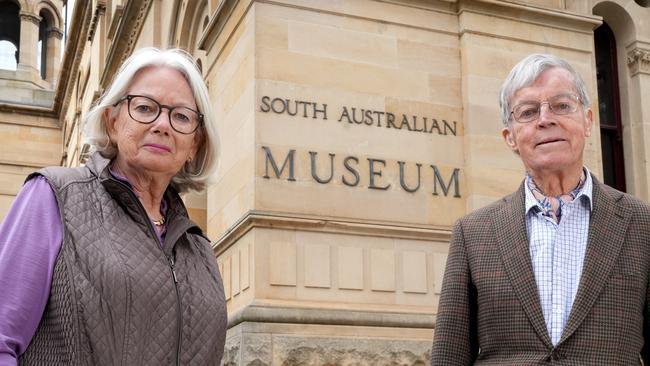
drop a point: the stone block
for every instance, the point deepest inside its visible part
(282, 263)
(350, 268)
(317, 265)
(245, 255)
(439, 262)
(414, 272)
(343, 44)
(236, 268)
(382, 270)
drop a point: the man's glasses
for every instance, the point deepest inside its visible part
(146, 110)
(560, 105)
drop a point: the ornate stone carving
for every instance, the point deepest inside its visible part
(99, 11)
(136, 28)
(254, 350)
(55, 33)
(230, 355)
(351, 356)
(258, 350)
(126, 36)
(336, 351)
(29, 17)
(638, 60)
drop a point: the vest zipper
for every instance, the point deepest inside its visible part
(179, 317)
(170, 259)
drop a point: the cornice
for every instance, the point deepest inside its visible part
(263, 219)
(217, 23)
(76, 43)
(270, 311)
(638, 61)
(526, 13)
(115, 20)
(100, 9)
(126, 35)
(30, 110)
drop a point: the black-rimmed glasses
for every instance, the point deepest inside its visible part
(561, 104)
(146, 110)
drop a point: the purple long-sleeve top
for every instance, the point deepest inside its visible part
(30, 239)
(31, 236)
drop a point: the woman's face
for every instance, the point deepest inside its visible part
(154, 148)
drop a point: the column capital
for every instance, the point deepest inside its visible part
(55, 33)
(30, 17)
(638, 61)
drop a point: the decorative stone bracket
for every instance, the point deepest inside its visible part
(638, 60)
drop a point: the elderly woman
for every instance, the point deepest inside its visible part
(101, 265)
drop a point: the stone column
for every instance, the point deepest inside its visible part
(638, 81)
(27, 58)
(54, 37)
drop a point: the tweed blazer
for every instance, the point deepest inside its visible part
(489, 311)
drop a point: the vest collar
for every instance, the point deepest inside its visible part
(178, 221)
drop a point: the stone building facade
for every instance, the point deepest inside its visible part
(354, 133)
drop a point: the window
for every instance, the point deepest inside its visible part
(8, 55)
(9, 35)
(611, 130)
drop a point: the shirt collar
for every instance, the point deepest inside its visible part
(586, 192)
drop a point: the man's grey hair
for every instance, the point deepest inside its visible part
(527, 71)
(193, 175)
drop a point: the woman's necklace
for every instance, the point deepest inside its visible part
(160, 222)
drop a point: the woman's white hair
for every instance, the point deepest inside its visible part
(193, 175)
(527, 71)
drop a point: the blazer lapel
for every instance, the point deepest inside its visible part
(510, 228)
(608, 224)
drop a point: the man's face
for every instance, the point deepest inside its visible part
(551, 143)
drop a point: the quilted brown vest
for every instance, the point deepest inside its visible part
(114, 298)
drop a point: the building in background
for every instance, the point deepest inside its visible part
(31, 35)
(354, 133)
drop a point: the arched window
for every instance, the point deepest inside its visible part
(9, 34)
(611, 130)
(43, 36)
(8, 56)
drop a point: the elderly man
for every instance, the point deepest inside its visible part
(557, 272)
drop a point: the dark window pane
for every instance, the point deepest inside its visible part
(608, 158)
(611, 129)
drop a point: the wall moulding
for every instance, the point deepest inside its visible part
(268, 312)
(544, 17)
(42, 116)
(322, 224)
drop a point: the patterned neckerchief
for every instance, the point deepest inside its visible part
(551, 206)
